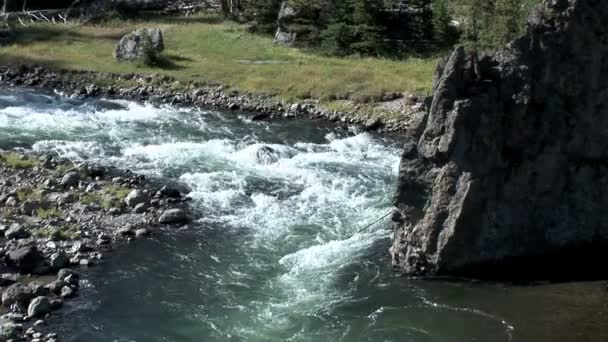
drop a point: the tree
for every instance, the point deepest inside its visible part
(445, 33)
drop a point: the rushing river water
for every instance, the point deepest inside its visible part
(282, 251)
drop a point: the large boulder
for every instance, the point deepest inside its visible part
(17, 293)
(287, 14)
(26, 259)
(509, 178)
(39, 307)
(174, 216)
(133, 45)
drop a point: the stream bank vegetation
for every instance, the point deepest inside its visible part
(349, 53)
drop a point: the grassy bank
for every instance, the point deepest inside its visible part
(203, 48)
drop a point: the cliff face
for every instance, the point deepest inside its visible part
(509, 176)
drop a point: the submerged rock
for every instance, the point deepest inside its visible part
(509, 177)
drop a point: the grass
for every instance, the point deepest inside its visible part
(111, 196)
(28, 193)
(202, 48)
(18, 161)
(69, 232)
(48, 213)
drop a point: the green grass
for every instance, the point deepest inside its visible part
(18, 161)
(69, 232)
(111, 196)
(201, 48)
(48, 213)
(28, 193)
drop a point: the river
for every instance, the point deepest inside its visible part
(282, 250)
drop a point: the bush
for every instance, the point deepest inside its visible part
(151, 57)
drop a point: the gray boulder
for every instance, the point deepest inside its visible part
(136, 197)
(59, 260)
(132, 46)
(16, 231)
(39, 307)
(509, 178)
(174, 216)
(26, 259)
(287, 15)
(10, 331)
(70, 179)
(17, 294)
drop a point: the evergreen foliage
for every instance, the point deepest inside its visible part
(395, 27)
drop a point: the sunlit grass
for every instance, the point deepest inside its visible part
(204, 49)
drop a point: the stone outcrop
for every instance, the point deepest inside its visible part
(509, 175)
(136, 44)
(287, 16)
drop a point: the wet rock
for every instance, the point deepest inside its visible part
(133, 45)
(68, 275)
(56, 286)
(10, 331)
(67, 292)
(59, 260)
(70, 179)
(7, 279)
(16, 231)
(170, 192)
(26, 259)
(17, 294)
(39, 307)
(38, 289)
(174, 216)
(142, 232)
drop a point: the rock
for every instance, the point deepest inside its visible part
(136, 197)
(287, 15)
(16, 231)
(373, 124)
(70, 179)
(169, 192)
(132, 46)
(67, 292)
(115, 211)
(25, 259)
(174, 216)
(11, 202)
(59, 260)
(140, 208)
(7, 279)
(10, 331)
(68, 275)
(60, 198)
(29, 207)
(38, 289)
(142, 232)
(39, 307)
(17, 294)
(509, 176)
(56, 286)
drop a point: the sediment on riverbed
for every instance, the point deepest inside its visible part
(57, 217)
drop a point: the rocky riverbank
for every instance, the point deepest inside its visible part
(162, 89)
(57, 217)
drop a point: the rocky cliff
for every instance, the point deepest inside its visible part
(509, 175)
